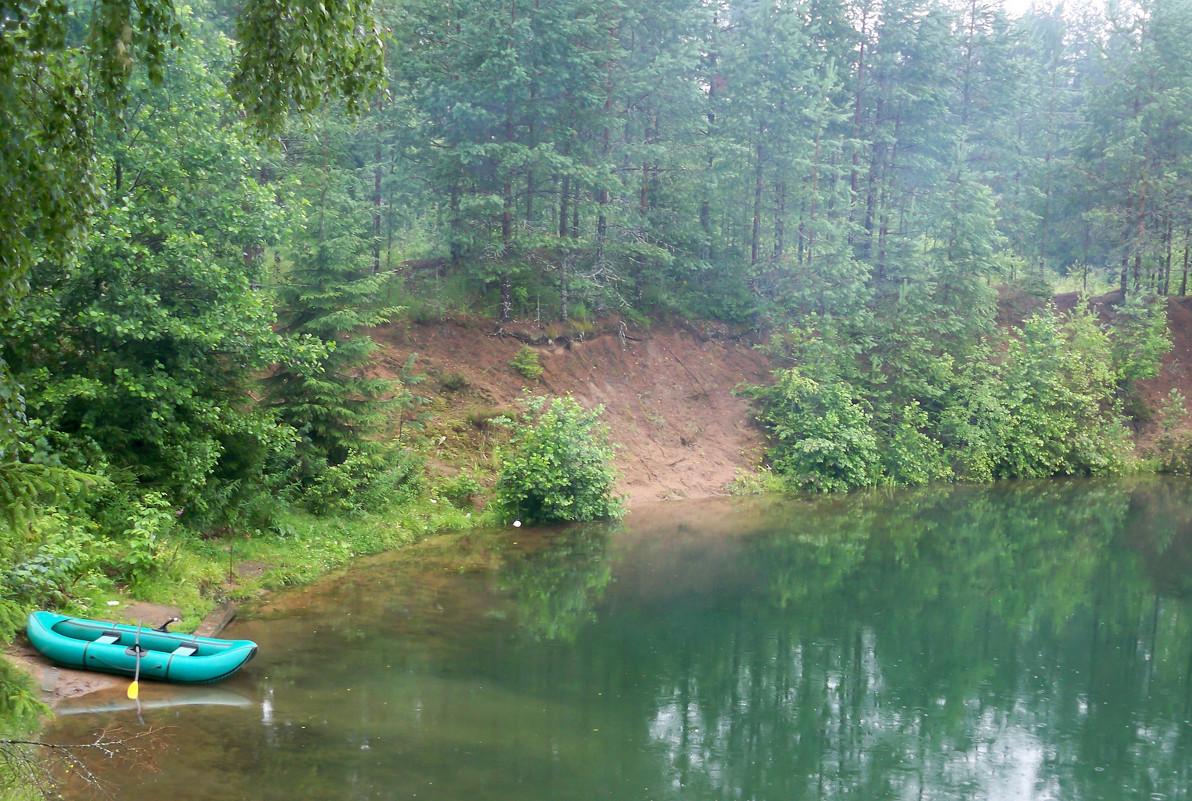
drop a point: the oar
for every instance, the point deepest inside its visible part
(134, 689)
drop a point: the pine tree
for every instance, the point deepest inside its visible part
(329, 292)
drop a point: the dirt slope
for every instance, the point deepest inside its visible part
(679, 430)
(667, 390)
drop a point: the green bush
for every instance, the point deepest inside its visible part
(152, 522)
(453, 382)
(461, 490)
(911, 456)
(1175, 443)
(558, 466)
(823, 437)
(60, 566)
(525, 361)
(1140, 338)
(1056, 387)
(371, 478)
(761, 482)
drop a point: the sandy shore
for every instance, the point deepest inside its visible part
(59, 684)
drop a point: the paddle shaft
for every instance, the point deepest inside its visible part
(134, 689)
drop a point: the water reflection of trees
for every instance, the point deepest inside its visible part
(954, 644)
(553, 589)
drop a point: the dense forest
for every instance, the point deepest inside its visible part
(205, 207)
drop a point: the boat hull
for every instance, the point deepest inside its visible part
(109, 648)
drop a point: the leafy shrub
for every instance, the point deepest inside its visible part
(152, 519)
(61, 565)
(483, 420)
(911, 456)
(1140, 338)
(824, 439)
(1175, 409)
(454, 382)
(1056, 387)
(558, 466)
(371, 478)
(460, 489)
(761, 482)
(525, 361)
(1174, 445)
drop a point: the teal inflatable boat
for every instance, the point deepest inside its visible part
(112, 648)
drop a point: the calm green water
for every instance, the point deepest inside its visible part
(1024, 642)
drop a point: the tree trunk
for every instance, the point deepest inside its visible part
(564, 194)
(642, 201)
(1166, 278)
(855, 176)
(779, 219)
(1184, 279)
(507, 238)
(1140, 223)
(456, 250)
(814, 193)
(564, 291)
(377, 172)
(801, 257)
(755, 236)
(389, 232)
(533, 141)
(605, 149)
(1125, 277)
(575, 215)
(506, 295)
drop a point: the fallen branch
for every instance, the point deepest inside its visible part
(34, 763)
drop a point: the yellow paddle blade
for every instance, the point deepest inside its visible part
(134, 689)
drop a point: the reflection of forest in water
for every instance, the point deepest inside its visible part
(1016, 642)
(1027, 641)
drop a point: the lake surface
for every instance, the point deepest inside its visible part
(1030, 641)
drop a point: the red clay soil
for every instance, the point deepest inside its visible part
(679, 430)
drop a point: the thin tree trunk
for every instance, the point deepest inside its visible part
(755, 237)
(1184, 279)
(1140, 223)
(575, 215)
(564, 291)
(507, 254)
(876, 162)
(814, 193)
(1125, 277)
(887, 194)
(705, 207)
(533, 141)
(389, 233)
(456, 250)
(377, 173)
(564, 196)
(507, 220)
(779, 219)
(802, 231)
(605, 149)
(1166, 280)
(855, 177)
(507, 236)
(643, 199)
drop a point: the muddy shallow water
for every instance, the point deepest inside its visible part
(1026, 641)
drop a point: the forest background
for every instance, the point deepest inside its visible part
(207, 208)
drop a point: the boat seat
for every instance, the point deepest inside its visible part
(107, 638)
(186, 649)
